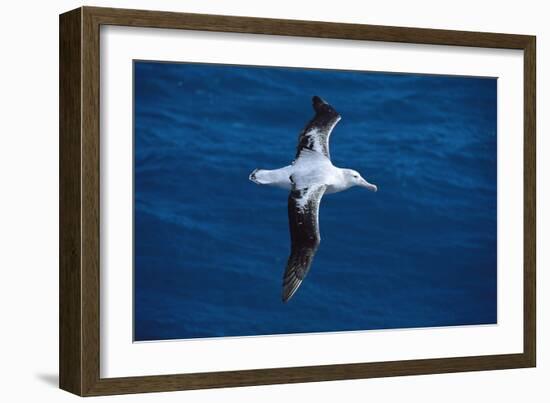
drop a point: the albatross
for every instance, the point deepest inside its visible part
(309, 177)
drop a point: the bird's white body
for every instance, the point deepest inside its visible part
(311, 168)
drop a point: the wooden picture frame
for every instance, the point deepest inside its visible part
(80, 186)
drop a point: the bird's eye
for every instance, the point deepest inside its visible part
(355, 176)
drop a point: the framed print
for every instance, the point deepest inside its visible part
(249, 201)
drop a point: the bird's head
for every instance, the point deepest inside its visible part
(353, 178)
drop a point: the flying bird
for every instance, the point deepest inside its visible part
(308, 178)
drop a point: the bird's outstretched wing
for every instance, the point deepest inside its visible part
(316, 134)
(303, 217)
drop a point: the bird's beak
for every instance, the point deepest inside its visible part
(369, 186)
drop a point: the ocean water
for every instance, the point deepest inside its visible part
(211, 246)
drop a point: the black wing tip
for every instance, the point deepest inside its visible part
(291, 283)
(317, 99)
(322, 106)
(318, 102)
(286, 297)
(290, 290)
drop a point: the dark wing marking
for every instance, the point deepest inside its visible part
(303, 217)
(316, 134)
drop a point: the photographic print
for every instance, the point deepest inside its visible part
(279, 200)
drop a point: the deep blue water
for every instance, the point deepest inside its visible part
(211, 246)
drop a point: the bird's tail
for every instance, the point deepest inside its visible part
(257, 176)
